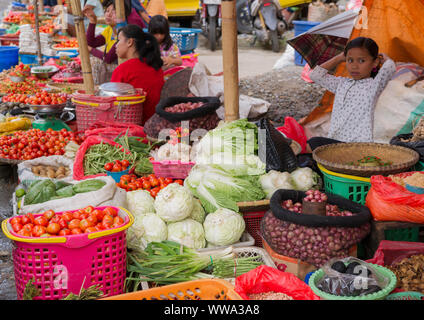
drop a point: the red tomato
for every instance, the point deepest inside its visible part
(76, 215)
(76, 231)
(24, 233)
(99, 214)
(41, 221)
(92, 219)
(64, 232)
(84, 224)
(63, 223)
(168, 180)
(84, 215)
(117, 168)
(109, 166)
(99, 227)
(53, 228)
(154, 192)
(49, 214)
(74, 223)
(89, 209)
(38, 230)
(146, 185)
(28, 227)
(179, 181)
(153, 181)
(15, 220)
(91, 229)
(132, 186)
(118, 162)
(25, 220)
(118, 220)
(16, 226)
(110, 211)
(67, 216)
(125, 163)
(30, 217)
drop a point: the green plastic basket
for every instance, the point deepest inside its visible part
(380, 295)
(404, 234)
(349, 187)
(407, 295)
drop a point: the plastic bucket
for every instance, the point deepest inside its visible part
(9, 57)
(28, 58)
(299, 28)
(117, 175)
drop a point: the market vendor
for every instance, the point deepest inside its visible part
(106, 60)
(352, 118)
(143, 65)
(94, 5)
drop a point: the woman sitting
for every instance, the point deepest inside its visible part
(143, 65)
(106, 60)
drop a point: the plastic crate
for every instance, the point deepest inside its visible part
(174, 169)
(407, 295)
(404, 234)
(346, 186)
(253, 225)
(380, 295)
(90, 109)
(185, 38)
(205, 289)
(61, 265)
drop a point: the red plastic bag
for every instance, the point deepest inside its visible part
(265, 279)
(305, 74)
(111, 130)
(293, 130)
(389, 201)
(79, 157)
(390, 252)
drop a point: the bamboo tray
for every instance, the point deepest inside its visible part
(335, 157)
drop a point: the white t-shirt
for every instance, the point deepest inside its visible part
(352, 118)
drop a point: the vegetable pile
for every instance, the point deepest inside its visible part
(34, 143)
(168, 262)
(184, 107)
(44, 98)
(150, 183)
(410, 273)
(45, 190)
(51, 171)
(176, 215)
(50, 223)
(117, 165)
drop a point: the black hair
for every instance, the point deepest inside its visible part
(159, 25)
(146, 45)
(127, 6)
(366, 43)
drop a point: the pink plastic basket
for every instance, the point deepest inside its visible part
(174, 169)
(64, 264)
(124, 109)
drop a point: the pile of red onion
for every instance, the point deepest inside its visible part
(314, 245)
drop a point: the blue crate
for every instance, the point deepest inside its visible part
(299, 28)
(185, 38)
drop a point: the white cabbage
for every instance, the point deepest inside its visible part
(187, 232)
(304, 178)
(174, 203)
(140, 202)
(275, 180)
(198, 213)
(224, 227)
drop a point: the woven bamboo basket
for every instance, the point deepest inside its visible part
(335, 157)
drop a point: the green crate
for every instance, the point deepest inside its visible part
(419, 166)
(349, 187)
(404, 234)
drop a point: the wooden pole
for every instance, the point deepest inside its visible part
(41, 4)
(83, 47)
(37, 33)
(230, 60)
(120, 16)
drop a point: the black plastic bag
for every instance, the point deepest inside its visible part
(418, 146)
(210, 104)
(279, 155)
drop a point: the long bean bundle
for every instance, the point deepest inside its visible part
(99, 154)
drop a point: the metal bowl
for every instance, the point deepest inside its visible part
(44, 72)
(54, 108)
(115, 89)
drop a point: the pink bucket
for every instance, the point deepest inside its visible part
(64, 264)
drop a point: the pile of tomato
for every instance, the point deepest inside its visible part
(71, 43)
(117, 165)
(31, 85)
(151, 183)
(34, 143)
(15, 97)
(50, 224)
(45, 98)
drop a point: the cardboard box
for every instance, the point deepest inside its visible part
(298, 267)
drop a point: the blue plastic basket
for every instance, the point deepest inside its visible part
(117, 175)
(185, 38)
(30, 59)
(9, 57)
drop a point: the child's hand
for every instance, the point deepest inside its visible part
(341, 57)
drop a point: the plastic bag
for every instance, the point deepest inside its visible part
(417, 146)
(293, 130)
(79, 157)
(367, 279)
(265, 278)
(26, 177)
(389, 201)
(391, 252)
(279, 155)
(111, 130)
